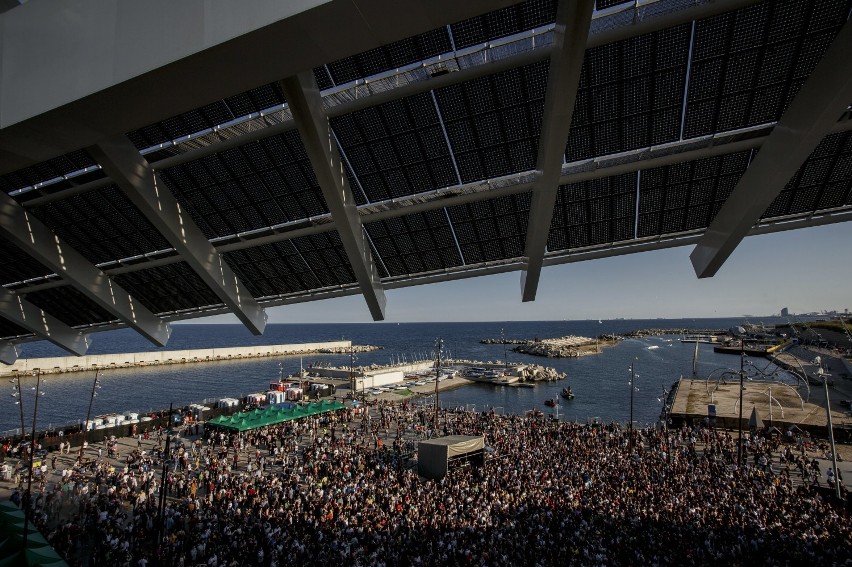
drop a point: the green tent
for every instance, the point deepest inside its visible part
(13, 543)
(42, 557)
(39, 553)
(272, 415)
(12, 514)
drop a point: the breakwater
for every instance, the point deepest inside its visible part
(675, 331)
(58, 365)
(562, 347)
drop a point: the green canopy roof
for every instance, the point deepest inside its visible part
(42, 557)
(38, 552)
(272, 415)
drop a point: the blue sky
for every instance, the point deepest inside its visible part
(805, 270)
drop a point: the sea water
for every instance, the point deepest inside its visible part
(600, 382)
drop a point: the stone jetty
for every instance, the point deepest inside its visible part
(57, 365)
(536, 373)
(525, 372)
(658, 332)
(563, 347)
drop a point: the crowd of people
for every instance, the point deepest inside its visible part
(341, 489)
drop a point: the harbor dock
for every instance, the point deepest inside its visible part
(698, 400)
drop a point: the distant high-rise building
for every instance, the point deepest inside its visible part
(785, 312)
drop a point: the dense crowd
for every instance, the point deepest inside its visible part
(333, 489)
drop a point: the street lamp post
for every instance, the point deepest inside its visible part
(824, 377)
(664, 412)
(742, 374)
(439, 347)
(632, 388)
(505, 355)
(19, 394)
(88, 415)
(352, 359)
(28, 495)
(161, 506)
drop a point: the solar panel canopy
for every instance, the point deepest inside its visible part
(233, 179)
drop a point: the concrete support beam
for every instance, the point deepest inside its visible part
(250, 59)
(8, 353)
(574, 172)
(21, 312)
(808, 119)
(306, 104)
(74, 76)
(573, 18)
(27, 232)
(128, 169)
(551, 259)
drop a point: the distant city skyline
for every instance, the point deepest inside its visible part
(805, 270)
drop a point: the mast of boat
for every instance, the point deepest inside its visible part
(695, 359)
(505, 356)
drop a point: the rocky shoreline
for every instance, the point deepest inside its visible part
(570, 346)
(537, 373)
(659, 332)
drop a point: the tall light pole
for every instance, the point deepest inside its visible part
(95, 386)
(632, 387)
(824, 377)
(161, 507)
(32, 455)
(439, 347)
(742, 374)
(352, 359)
(19, 394)
(505, 356)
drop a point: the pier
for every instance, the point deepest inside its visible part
(563, 347)
(129, 360)
(694, 397)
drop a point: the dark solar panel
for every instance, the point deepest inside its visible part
(325, 255)
(593, 212)
(69, 306)
(391, 56)
(16, 265)
(492, 230)
(261, 184)
(747, 65)
(9, 330)
(214, 114)
(396, 149)
(46, 170)
(415, 243)
(322, 78)
(630, 95)
(164, 289)
(272, 269)
(604, 4)
(507, 21)
(102, 225)
(687, 196)
(494, 122)
(823, 182)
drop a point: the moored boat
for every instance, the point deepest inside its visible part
(567, 393)
(552, 403)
